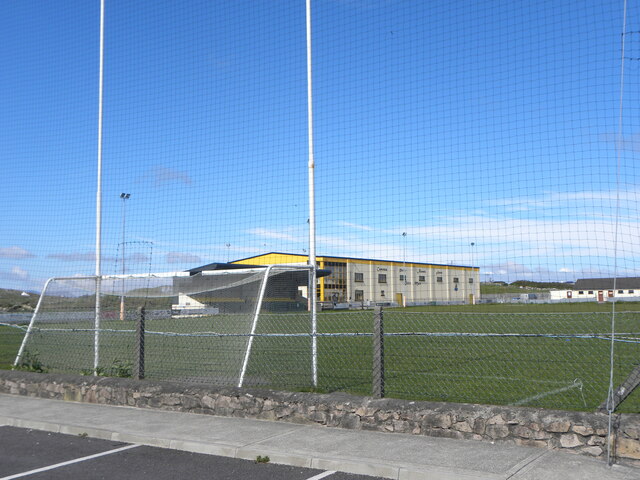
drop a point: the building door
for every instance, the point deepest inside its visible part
(399, 299)
(600, 296)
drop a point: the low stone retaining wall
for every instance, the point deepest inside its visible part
(579, 432)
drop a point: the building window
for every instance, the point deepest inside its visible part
(382, 293)
(382, 278)
(455, 280)
(439, 279)
(590, 292)
(359, 277)
(359, 295)
(421, 278)
(620, 291)
(580, 292)
(631, 291)
(471, 280)
(403, 278)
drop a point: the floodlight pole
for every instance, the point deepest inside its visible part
(312, 206)
(473, 285)
(124, 197)
(96, 338)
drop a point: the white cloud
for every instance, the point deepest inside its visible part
(19, 273)
(178, 257)
(355, 226)
(162, 175)
(276, 234)
(15, 253)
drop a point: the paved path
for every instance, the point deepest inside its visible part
(403, 457)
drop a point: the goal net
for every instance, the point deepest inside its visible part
(225, 326)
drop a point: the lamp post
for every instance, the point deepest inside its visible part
(124, 197)
(404, 267)
(473, 285)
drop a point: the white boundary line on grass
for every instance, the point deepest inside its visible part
(575, 384)
(70, 462)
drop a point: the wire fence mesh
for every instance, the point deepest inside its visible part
(542, 359)
(459, 153)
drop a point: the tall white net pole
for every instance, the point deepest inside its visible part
(312, 210)
(610, 395)
(96, 338)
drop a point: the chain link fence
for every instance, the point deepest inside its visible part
(539, 359)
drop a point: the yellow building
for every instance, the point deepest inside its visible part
(369, 281)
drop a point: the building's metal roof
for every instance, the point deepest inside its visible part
(607, 283)
(235, 266)
(331, 257)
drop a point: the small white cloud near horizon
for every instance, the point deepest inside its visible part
(161, 175)
(179, 257)
(19, 273)
(15, 253)
(355, 226)
(279, 235)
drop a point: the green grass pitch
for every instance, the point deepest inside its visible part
(549, 356)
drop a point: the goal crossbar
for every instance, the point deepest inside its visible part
(72, 285)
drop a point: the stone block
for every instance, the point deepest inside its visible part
(401, 426)
(596, 440)
(558, 426)
(631, 431)
(462, 427)
(496, 431)
(628, 448)
(437, 420)
(267, 415)
(318, 417)
(350, 421)
(283, 412)
(479, 426)
(208, 402)
(593, 451)
(523, 432)
(496, 420)
(570, 440)
(583, 430)
(382, 416)
(170, 400)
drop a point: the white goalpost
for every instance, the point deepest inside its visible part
(209, 336)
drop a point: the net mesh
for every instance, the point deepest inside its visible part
(498, 138)
(197, 327)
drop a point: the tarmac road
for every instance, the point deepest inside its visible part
(34, 454)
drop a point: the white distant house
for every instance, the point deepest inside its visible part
(600, 290)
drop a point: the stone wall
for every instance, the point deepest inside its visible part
(579, 432)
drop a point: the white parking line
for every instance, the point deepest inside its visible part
(70, 462)
(317, 477)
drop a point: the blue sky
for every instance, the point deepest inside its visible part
(493, 123)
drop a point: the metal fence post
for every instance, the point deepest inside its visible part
(138, 372)
(378, 353)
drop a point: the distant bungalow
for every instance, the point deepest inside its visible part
(600, 289)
